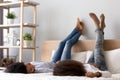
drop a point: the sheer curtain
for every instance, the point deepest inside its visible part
(1, 32)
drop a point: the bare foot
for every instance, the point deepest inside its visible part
(102, 17)
(95, 19)
(79, 25)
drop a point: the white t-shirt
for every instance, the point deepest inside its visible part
(91, 68)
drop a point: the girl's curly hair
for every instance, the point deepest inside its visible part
(69, 68)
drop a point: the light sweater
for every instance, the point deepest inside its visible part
(91, 68)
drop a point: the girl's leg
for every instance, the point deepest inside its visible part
(99, 59)
(67, 50)
(58, 52)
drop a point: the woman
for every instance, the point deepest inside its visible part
(61, 63)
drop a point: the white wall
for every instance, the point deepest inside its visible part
(56, 18)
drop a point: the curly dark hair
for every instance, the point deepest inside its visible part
(69, 68)
(18, 67)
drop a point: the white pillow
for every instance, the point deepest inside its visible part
(89, 53)
(79, 56)
(113, 60)
(53, 51)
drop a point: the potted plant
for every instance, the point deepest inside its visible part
(10, 18)
(27, 38)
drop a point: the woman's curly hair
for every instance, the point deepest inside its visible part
(69, 68)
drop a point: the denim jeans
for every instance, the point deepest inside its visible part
(97, 57)
(63, 51)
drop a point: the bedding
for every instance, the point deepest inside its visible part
(49, 76)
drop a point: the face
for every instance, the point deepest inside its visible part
(30, 68)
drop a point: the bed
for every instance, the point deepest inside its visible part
(81, 49)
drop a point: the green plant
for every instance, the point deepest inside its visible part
(27, 36)
(11, 16)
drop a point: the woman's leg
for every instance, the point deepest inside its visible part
(67, 49)
(98, 52)
(99, 59)
(58, 52)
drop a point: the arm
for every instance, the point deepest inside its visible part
(105, 74)
(93, 74)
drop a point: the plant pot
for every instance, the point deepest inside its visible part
(27, 43)
(10, 21)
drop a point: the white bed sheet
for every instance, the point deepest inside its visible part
(49, 76)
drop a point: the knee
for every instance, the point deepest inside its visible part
(62, 43)
(69, 42)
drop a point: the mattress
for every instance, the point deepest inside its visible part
(49, 76)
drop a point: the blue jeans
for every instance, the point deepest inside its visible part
(97, 57)
(63, 51)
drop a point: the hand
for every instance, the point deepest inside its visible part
(93, 74)
(90, 74)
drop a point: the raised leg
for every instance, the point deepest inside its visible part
(59, 51)
(67, 50)
(97, 57)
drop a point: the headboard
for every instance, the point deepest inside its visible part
(81, 45)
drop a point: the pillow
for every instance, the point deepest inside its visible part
(53, 51)
(79, 56)
(112, 60)
(89, 53)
